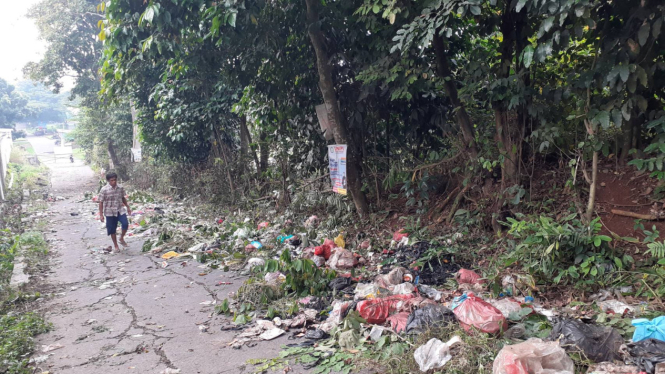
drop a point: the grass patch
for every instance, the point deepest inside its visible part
(16, 341)
(79, 154)
(25, 146)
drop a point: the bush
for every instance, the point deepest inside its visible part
(567, 252)
(16, 341)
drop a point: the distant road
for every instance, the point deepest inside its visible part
(41, 144)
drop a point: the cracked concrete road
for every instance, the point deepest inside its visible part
(124, 313)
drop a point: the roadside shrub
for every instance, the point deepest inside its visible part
(567, 251)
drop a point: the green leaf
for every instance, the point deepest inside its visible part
(597, 242)
(616, 117)
(624, 72)
(475, 10)
(655, 31)
(643, 34)
(642, 75)
(520, 5)
(618, 263)
(603, 118)
(376, 8)
(149, 14)
(232, 19)
(527, 55)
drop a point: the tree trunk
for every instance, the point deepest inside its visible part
(117, 165)
(335, 117)
(264, 152)
(592, 187)
(627, 141)
(463, 119)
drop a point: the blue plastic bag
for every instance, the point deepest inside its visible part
(645, 329)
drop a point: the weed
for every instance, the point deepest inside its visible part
(16, 335)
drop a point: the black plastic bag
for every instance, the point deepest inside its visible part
(646, 354)
(431, 315)
(598, 343)
(340, 283)
(316, 334)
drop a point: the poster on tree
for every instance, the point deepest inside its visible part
(337, 166)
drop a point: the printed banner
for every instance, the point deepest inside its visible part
(337, 166)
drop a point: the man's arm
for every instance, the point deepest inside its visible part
(101, 211)
(126, 204)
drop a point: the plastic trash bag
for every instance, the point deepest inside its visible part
(342, 259)
(468, 276)
(393, 278)
(533, 357)
(339, 283)
(507, 306)
(324, 251)
(428, 316)
(399, 235)
(349, 339)
(339, 241)
(263, 225)
(598, 343)
(377, 311)
(646, 354)
(403, 289)
(645, 329)
(435, 353)
(316, 334)
(471, 310)
(430, 292)
(369, 291)
(398, 321)
(254, 262)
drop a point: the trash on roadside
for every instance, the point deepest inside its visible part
(646, 354)
(316, 334)
(256, 244)
(319, 261)
(337, 314)
(339, 283)
(274, 278)
(348, 339)
(399, 235)
(611, 368)
(616, 306)
(339, 241)
(393, 278)
(427, 317)
(398, 321)
(471, 310)
(507, 306)
(468, 276)
(533, 357)
(645, 329)
(254, 262)
(263, 225)
(435, 353)
(324, 251)
(376, 311)
(404, 289)
(369, 291)
(312, 222)
(430, 292)
(284, 238)
(198, 248)
(169, 255)
(271, 334)
(515, 332)
(342, 259)
(599, 343)
(376, 332)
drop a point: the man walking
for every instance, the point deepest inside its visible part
(113, 208)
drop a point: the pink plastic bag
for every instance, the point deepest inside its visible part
(263, 225)
(377, 311)
(399, 235)
(471, 310)
(342, 259)
(468, 276)
(533, 357)
(398, 321)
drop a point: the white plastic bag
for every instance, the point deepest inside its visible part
(435, 353)
(533, 357)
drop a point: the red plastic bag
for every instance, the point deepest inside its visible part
(399, 235)
(329, 242)
(471, 310)
(377, 311)
(263, 225)
(323, 251)
(398, 321)
(468, 276)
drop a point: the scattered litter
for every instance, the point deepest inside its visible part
(169, 255)
(404, 289)
(316, 334)
(376, 332)
(399, 235)
(51, 347)
(274, 278)
(599, 343)
(339, 283)
(339, 241)
(468, 276)
(647, 354)
(427, 317)
(515, 332)
(645, 329)
(369, 291)
(263, 225)
(430, 292)
(474, 311)
(610, 368)
(507, 306)
(376, 311)
(533, 357)
(615, 306)
(435, 353)
(398, 321)
(254, 262)
(170, 371)
(342, 259)
(271, 334)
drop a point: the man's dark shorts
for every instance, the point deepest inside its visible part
(112, 223)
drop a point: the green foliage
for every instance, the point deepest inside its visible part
(616, 321)
(12, 105)
(303, 277)
(16, 334)
(564, 252)
(656, 250)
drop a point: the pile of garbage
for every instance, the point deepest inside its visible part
(341, 292)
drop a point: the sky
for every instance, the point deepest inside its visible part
(19, 39)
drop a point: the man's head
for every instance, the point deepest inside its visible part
(112, 178)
